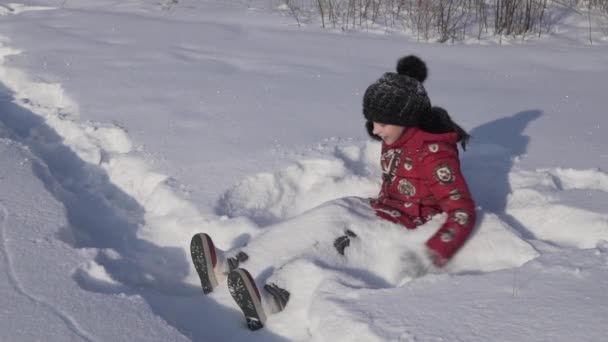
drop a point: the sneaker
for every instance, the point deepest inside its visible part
(204, 258)
(245, 293)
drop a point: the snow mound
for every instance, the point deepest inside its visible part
(592, 179)
(271, 197)
(558, 205)
(424, 309)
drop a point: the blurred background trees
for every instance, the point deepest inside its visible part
(449, 20)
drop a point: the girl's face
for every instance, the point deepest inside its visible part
(388, 133)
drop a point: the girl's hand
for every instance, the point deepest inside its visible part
(435, 258)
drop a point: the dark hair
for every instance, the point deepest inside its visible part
(439, 121)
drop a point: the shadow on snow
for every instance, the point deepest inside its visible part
(495, 147)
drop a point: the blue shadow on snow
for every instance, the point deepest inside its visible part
(494, 148)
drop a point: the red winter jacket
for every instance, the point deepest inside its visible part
(421, 178)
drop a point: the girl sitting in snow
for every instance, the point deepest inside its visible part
(421, 178)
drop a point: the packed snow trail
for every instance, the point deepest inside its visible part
(47, 301)
(101, 183)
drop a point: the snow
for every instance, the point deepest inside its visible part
(128, 126)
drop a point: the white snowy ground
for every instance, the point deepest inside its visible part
(126, 127)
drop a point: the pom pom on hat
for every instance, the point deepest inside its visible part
(412, 66)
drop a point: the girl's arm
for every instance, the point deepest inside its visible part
(442, 173)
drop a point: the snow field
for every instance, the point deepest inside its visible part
(114, 232)
(281, 217)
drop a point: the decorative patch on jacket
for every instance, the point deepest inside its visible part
(390, 161)
(461, 217)
(406, 188)
(434, 148)
(444, 173)
(408, 204)
(407, 164)
(448, 235)
(455, 195)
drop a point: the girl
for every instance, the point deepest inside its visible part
(421, 178)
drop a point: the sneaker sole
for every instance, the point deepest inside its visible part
(200, 250)
(244, 294)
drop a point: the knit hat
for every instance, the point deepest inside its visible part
(398, 98)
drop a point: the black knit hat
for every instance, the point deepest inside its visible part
(398, 98)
